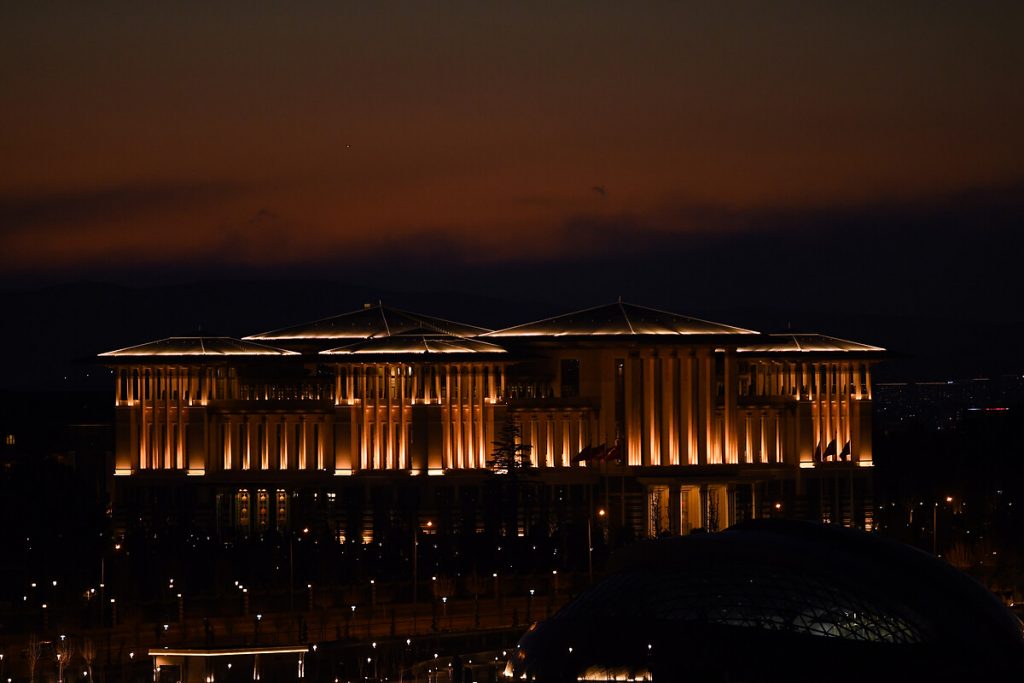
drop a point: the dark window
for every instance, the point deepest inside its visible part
(570, 377)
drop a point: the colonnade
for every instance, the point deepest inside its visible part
(556, 437)
(158, 401)
(705, 408)
(270, 441)
(382, 398)
(670, 407)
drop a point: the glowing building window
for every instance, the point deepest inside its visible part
(243, 513)
(262, 509)
(9, 439)
(281, 512)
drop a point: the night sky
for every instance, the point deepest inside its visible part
(827, 157)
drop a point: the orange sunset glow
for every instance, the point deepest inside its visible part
(269, 134)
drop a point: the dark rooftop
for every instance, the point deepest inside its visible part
(616, 319)
(372, 322)
(199, 346)
(416, 345)
(804, 343)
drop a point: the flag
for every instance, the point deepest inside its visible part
(615, 452)
(831, 449)
(591, 453)
(586, 454)
(845, 455)
(817, 452)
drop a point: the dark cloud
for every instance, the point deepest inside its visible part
(251, 241)
(82, 207)
(935, 279)
(948, 255)
(951, 255)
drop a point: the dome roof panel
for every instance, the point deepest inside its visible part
(372, 322)
(619, 319)
(199, 346)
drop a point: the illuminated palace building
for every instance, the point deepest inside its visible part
(358, 422)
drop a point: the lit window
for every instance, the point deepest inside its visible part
(242, 510)
(282, 509)
(263, 509)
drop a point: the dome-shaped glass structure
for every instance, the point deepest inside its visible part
(775, 601)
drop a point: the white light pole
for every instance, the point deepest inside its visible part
(590, 545)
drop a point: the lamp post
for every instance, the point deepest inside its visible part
(433, 603)
(373, 604)
(590, 545)
(935, 525)
(415, 589)
(103, 584)
(64, 652)
(415, 579)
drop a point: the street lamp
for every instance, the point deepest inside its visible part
(415, 565)
(497, 595)
(349, 616)
(935, 525)
(590, 544)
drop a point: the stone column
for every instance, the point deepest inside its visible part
(730, 449)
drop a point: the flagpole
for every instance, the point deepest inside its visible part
(602, 473)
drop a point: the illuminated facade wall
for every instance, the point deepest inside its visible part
(672, 407)
(384, 405)
(703, 420)
(209, 419)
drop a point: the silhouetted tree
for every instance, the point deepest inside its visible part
(510, 458)
(88, 656)
(510, 455)
(34, 651)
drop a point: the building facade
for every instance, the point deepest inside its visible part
(663, 422)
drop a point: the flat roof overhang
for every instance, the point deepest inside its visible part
(229, 652)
